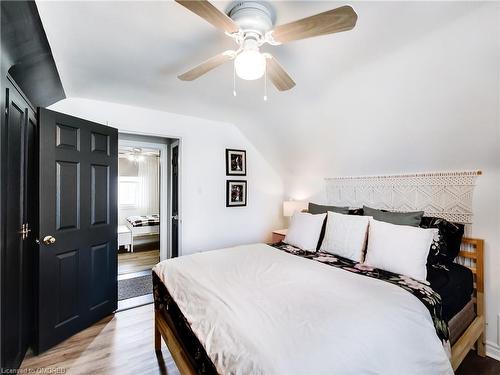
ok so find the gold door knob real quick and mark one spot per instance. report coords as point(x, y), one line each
point(48, 240)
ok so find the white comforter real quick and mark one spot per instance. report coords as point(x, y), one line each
point(259, 310)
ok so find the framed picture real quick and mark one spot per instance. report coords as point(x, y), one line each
point(236, 162)
point(236, 193)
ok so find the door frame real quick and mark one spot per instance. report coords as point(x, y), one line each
point(165, 186)
point(175, 142)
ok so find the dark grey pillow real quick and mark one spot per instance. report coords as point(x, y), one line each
point(400, 218)
point(356, 211)
point(320, 209)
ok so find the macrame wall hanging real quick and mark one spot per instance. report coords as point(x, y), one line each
point(443, 194)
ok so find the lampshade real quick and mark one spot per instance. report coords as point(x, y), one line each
point(289, 207)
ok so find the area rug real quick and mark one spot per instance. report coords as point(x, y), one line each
point(134, 287)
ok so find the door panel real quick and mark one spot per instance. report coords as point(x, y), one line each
point(78, 207)
point(67, 137)
point(67, 284)
point(100, 143)
point(100, 194)
point(67, 195)
point(100, 256)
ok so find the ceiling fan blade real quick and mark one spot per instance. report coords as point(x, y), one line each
point(211, 14)
point(278, 76)
point(207, 66)
point(332, 21)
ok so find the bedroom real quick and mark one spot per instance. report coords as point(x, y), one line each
point(146, 186)
point(412, 88)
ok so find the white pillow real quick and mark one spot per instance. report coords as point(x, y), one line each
point(345, 235)
point(304, 230)
point(399, 248)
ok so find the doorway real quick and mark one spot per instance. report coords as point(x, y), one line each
point(145, 213)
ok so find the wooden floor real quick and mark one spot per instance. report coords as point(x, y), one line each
point(124, 344)
point(473, 364)
point(137, 261)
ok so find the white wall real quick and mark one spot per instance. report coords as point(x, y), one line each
point(430, 105)
point(206, 222)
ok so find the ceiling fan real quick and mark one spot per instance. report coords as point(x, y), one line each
point(250, 25)
point(136, 154)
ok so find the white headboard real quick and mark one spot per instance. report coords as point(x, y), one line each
point(442, 194)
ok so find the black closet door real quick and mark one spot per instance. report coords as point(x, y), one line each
point(30, 213)
point(77, 261)
point(20, 128)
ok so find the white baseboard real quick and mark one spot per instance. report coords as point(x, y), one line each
point(493, 350)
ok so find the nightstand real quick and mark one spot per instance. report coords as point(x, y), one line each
point(279, 235)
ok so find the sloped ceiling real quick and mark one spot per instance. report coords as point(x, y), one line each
point(26, 54)
point(131, 53)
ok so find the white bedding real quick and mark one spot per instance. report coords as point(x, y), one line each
point(259, 310)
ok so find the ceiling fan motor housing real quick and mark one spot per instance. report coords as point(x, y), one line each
point(252, 16)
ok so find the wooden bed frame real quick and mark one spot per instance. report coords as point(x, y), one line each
point(181, 358)
point(472, 253)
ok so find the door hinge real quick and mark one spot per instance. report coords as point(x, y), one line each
point(24, 232)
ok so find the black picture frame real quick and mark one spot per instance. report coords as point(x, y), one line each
point(236, 162)
point(233, 198)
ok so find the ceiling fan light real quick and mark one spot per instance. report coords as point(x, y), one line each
point(250, 64)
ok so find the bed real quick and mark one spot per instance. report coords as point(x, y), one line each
point(143, 225)
point(214, 320)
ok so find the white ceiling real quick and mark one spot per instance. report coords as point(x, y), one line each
point(131, 53)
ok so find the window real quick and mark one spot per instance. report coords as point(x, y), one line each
point(128, 192)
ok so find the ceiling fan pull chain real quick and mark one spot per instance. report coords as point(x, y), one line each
point(234, 79)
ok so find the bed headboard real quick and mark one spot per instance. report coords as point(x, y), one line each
point(441, 194)
point(448, 195)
